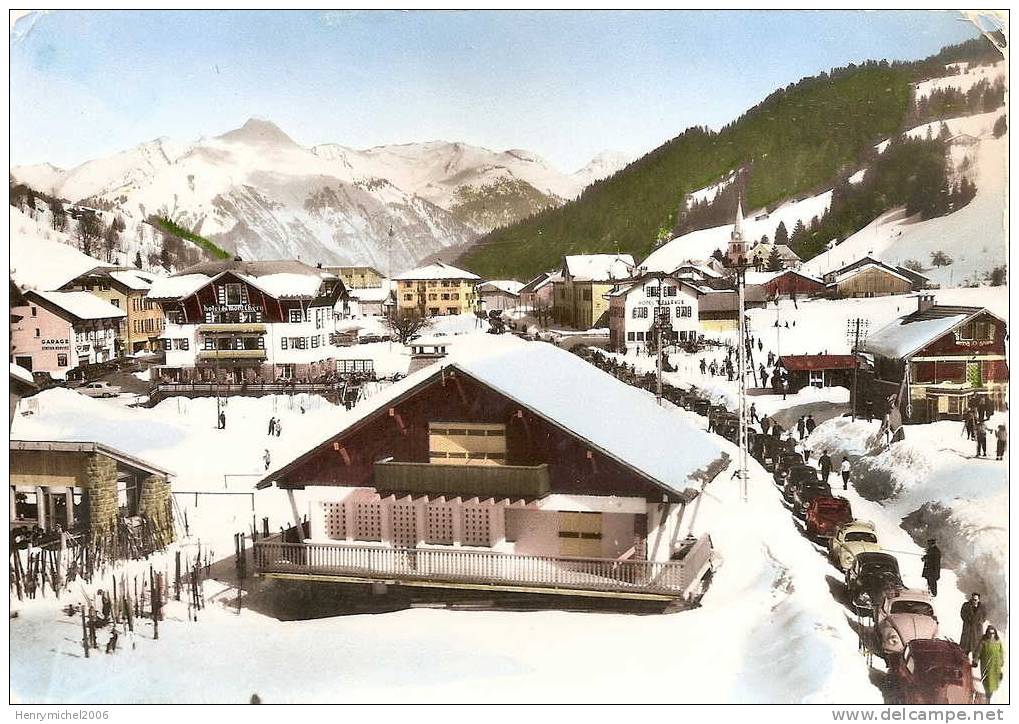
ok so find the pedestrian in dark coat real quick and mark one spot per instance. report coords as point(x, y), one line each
point(760, 346)
point(222, 420)
point(981, 432)
point(1001, 435)
point(810, 424)
point(753, 414)
point(968, 422)
point(974, 616)
point(765, 424)
point(801, 427)
point(824, 462)
point(932, 566)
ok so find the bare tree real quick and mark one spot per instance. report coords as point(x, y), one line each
point(111, 241)
point(58, 215)
point(88, 232)
point(405, 327)
point(542, 312)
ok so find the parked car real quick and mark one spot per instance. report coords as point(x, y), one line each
point(933, 671)
point(700, 406)
point(806, 492)
point(783, 462)
point(871, 575)
point(825, 514)
point(905, 614)
point(852, 539)
point(99, 389)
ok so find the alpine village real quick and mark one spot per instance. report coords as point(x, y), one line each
point(727, 416)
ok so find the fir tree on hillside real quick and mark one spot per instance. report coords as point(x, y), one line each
point(138, 260)
point(774, 260)
point(781, 234)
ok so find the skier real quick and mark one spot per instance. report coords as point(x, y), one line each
point(824, 462)
point(845, 469)
point(801, 427)
point(1002, 437)
point(932, 566)
point(981, 432)
point(809, 424)
point(974, 615)
point(992, 661)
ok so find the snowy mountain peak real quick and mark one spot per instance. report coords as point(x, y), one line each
point(259, 131)
point(601, 166)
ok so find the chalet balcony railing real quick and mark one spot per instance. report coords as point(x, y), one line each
point(451, 566)
point(210, 355)
point(232, 328)
point(526, 481)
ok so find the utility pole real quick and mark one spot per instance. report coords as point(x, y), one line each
point(855, 328)
point(658, 363)
point(741, 360)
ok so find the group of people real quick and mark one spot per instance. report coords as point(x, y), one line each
point(979, 640)
point(975, 426)
point(275, 427)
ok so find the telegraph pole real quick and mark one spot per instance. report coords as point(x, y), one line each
point(658, 363)
point(855, 328)
point(741, 360)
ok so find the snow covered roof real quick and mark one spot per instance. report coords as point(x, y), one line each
point(80, 305)
point(598, 267)
point(22, 374)
point(131, 280)
point(912, 332)
point(438, 270)
point(784, 252)
point(842, 276)
point(619, 420)
point(286, 284)
point(509, 286)
point(540, 281)
point(177, 286)
point(370, 294)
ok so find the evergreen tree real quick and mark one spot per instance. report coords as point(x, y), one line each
point(781, 234)
point(774, 260)
point(1000, 127)
point(138, 260)
point(164, 258)
point(58, 215)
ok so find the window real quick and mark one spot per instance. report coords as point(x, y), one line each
point(36, 331)
point(434, 311)
point(283, 342)
point(587, 294)
point(315, 341)
point(477, 526)
point(640, 336)
point(35, 312)
point(295, 316)
point(976, 331)
point(233, 294)
point(652, 291)
point(127, 497)
point(368, 520)
point(631, 336)
point(640, 312)
point(61, 360)
point(454, 295)
point(445, 297)
point(670, 291)
point(408, 297)
point(210, 343)
point(115, 302)
point(684, 312)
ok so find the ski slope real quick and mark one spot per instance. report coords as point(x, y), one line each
point(962, 82)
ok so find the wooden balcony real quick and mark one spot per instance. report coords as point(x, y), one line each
point(232, 328)
point(248, 355)
point(341, 562)
point(483, 481)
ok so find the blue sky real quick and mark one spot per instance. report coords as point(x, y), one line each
point(565, 85)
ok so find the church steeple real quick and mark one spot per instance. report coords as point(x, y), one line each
point(737, 246)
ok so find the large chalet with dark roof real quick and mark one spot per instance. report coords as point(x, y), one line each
point(937, 362)
point(468, 474)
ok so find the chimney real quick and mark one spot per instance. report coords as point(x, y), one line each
point(924, 302)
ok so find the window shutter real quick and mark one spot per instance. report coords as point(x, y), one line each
point(244, 294)
point(221, 294)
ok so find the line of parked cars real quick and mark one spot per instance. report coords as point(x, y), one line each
point(925, 669)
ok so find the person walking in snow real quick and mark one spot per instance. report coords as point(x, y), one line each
point(992, 661)
point(845, 469)
point(824, 462)
point(754, 418)
point(809, 424)
point(974, 616)
point(760, 346)
point(279, 427)
point(267, 458)
point(932, 566)
point(801, 427)
point(704, 366)
point(272, 425)
point(968, 423)
point(1001, 435)
point(981, 433)
point(765, 424)
point(771, 358)
point(222, 420)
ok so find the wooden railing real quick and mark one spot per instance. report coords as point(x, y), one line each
point(532, 481)
point(673, 578)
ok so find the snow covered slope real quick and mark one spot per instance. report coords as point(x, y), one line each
point(255, 191)
point(974, 236)
point(699, 244)
point(42, 258)
point(965, 80)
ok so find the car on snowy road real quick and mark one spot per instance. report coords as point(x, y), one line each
point(905, 614)
point(852, 539)
point(825, 514)
point(783, 462)
point(869, 578)
point(932, 671)
point(99, 389)
point(796, 476)
point(806, 492)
